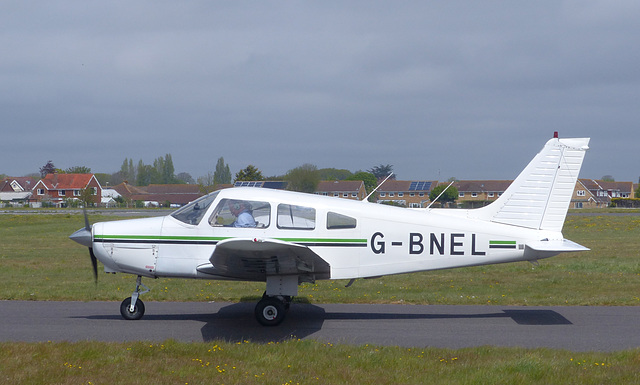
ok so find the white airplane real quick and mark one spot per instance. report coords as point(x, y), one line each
point(286, 238)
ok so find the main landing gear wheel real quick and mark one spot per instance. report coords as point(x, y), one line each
point(270, 311)
point(136, 314)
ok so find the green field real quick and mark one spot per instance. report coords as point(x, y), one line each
point(39, 262)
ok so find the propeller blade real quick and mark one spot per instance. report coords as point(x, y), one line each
point(94, 263)
point(83, 236)
point(86, 219)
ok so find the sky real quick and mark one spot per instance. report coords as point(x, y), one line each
point(438, 89)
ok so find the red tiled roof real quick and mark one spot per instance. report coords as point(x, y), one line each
point(339, 185)
point(66, 181)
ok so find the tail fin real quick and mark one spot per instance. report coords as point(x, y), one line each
point(540, 196)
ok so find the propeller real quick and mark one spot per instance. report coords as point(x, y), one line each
point(83, 237)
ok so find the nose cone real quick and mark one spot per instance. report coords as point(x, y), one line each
point(82, 236)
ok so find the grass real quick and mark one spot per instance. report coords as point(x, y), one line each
point(304, 362)
point(39, 262)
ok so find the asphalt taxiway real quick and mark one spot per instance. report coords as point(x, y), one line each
point(576, 328)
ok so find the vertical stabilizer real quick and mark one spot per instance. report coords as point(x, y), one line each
point(540, 196)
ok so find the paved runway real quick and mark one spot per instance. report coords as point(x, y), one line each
point(572, 328)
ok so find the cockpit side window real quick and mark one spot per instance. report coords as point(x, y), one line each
point(193, 212)
point(241, 213)
point(339, 221)
point(296, 217)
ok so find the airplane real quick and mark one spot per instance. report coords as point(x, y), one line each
point(286, 238)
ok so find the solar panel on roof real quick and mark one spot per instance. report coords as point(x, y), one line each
point(247, 184)
point(419, 186)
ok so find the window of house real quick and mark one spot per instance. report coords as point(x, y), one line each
point(76, 193)
point(392, 194)
point(40, 191)
point(94, 191)
point(294, 217)
point(461, 194)
point(400, 194)
point(490, 195)
point(474, 195)
point(61, 193)
point(339, 221)
point(345, 195)
point(383, 194)
point(581, 193)
point(421, 194)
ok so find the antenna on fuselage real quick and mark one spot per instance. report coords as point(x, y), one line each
point(377, 187)
point(434, 201)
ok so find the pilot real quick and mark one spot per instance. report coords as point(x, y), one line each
point(243, 213)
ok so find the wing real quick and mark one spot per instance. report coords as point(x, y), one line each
point(255, 259)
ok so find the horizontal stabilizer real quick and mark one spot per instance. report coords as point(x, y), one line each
point(556, 246)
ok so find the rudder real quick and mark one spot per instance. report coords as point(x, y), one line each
point(539, 198)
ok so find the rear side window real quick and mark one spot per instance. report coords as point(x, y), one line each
point(296, 217)
point(339, 221)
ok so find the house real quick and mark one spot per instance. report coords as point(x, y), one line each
point(109, 197)
point(479, 193)
point(16, 191)
point(17, 184)
point(58, 189)
point(406, 193)
point(349, 189)
point(592, 193)
point(156, 195)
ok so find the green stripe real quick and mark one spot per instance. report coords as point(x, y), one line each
point(320, 240)
point(192, 238)
point(161, 237)
point(502, 242)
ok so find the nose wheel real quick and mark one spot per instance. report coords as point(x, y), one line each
point(132, 308)
point(271, 311)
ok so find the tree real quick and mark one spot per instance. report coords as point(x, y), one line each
point(185, 177)
point(608, 178)
point(449, 196)
point(168, 171)
point(86, 197)
point(304, 178)
point(222, 175)
point(206, 180)
point(47, 169)
point(144, 174)
point(382, 171)
point(251, 172)
point(334, 174)
point(370, 181)
point(78, 170)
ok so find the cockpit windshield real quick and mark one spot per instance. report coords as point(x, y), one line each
point(193, 212)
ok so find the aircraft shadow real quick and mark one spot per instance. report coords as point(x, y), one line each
point(236, 323)
point(232, 324)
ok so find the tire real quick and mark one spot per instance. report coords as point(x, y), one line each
point(270, 311)
point(137, 313)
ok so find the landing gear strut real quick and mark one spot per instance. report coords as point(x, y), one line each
point(271, 310)
point(132, 308)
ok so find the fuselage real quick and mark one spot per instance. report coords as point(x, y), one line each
point(357, 239)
